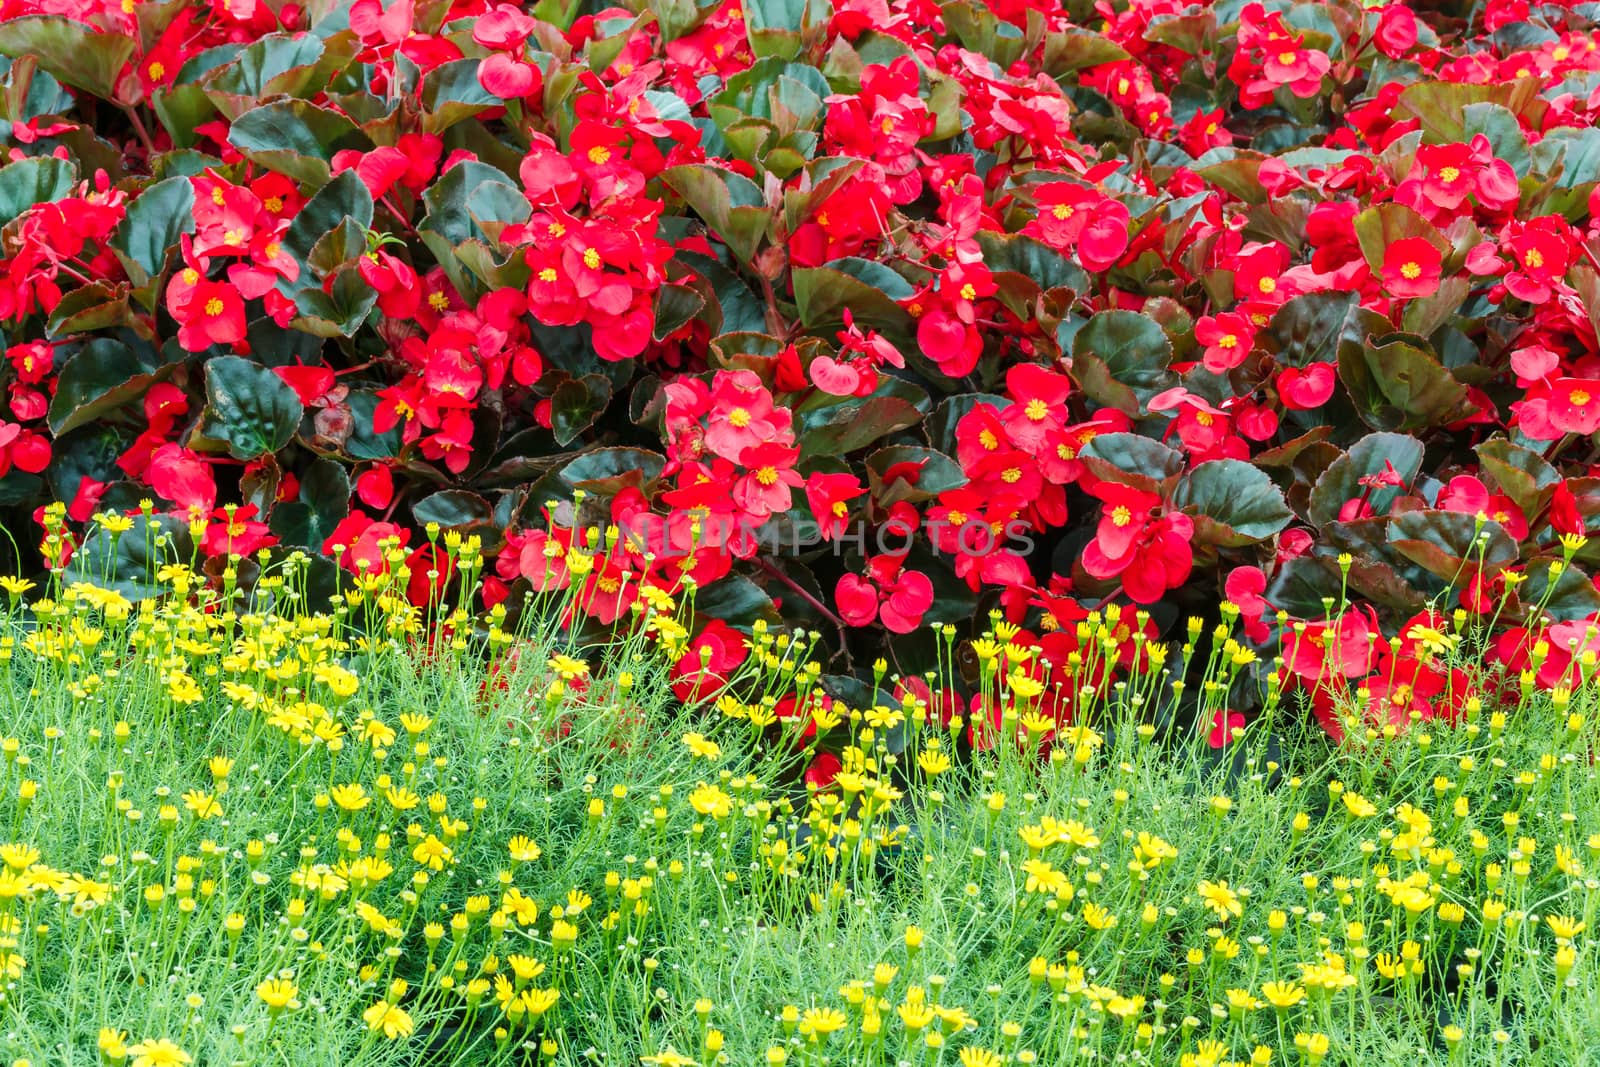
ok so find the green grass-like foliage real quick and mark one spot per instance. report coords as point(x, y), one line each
point(265, 837)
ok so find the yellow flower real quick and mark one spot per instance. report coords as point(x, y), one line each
point(183, 689)
point(203, 805)
point(1283, 995)
point(113, 1044)
point(820, 1022)
point(389, 1019)
point(668, 1057)
point(350, 796)
point(432, 853)
point(979, 1057)
point(538, 1001)
point(1358, 806)
point(1565, 927)
point(709, 800)
point(1220, 899)
point(158, 1052)
point(278, 994)
point(14, 586)
point(523, 849)
point(569, 668)
point(700, 746)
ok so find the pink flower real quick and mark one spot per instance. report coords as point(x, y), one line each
point(1224, 721)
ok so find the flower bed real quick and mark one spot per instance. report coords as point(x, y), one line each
point(262, 835)
point(865, 319)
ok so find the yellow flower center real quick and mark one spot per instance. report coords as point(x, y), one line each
point(1449, 174)
point(1121, 516)
point(1410, 270)
point(1062, 211)
point(591, 258)
point(599, 155)
point(214, 307)
point(1037, 409)
point(740, 417)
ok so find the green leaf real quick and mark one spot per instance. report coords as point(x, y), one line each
point(339, 309)
point(1573, 597)
point(72, 52)
point(1307, 328)
point(1398, 386)
point(1374, 454)
point(452, 508)
point(577, 402)
point(1073, 50)
point(737, 601)
point(741, 310)
point(868, 290)
point(249, 407)
point(279, 64)
point(339, 247)
point(1379, 227)
point(1452, 545)
point(1572, 156)
point(1520, 473)
point(155, 222)
point(609, 470)
point(364, 442)
point(27, 182)
point(678, 17)
point(1033, 259)
point(102, 376)
point(776, 27)
point(451, 93)
point(675, 305)
point(448, 200)
point(19, 488)
point(1504, 132)
point(323, 503)
point(1301, 584)
point(88, 308)
point(296, 138)
point(730, 203)
point(834, 426)
point(1120, 359)
point(1441, 106)
point(344, 197)
point(1131, 460)
point(1234, 503)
